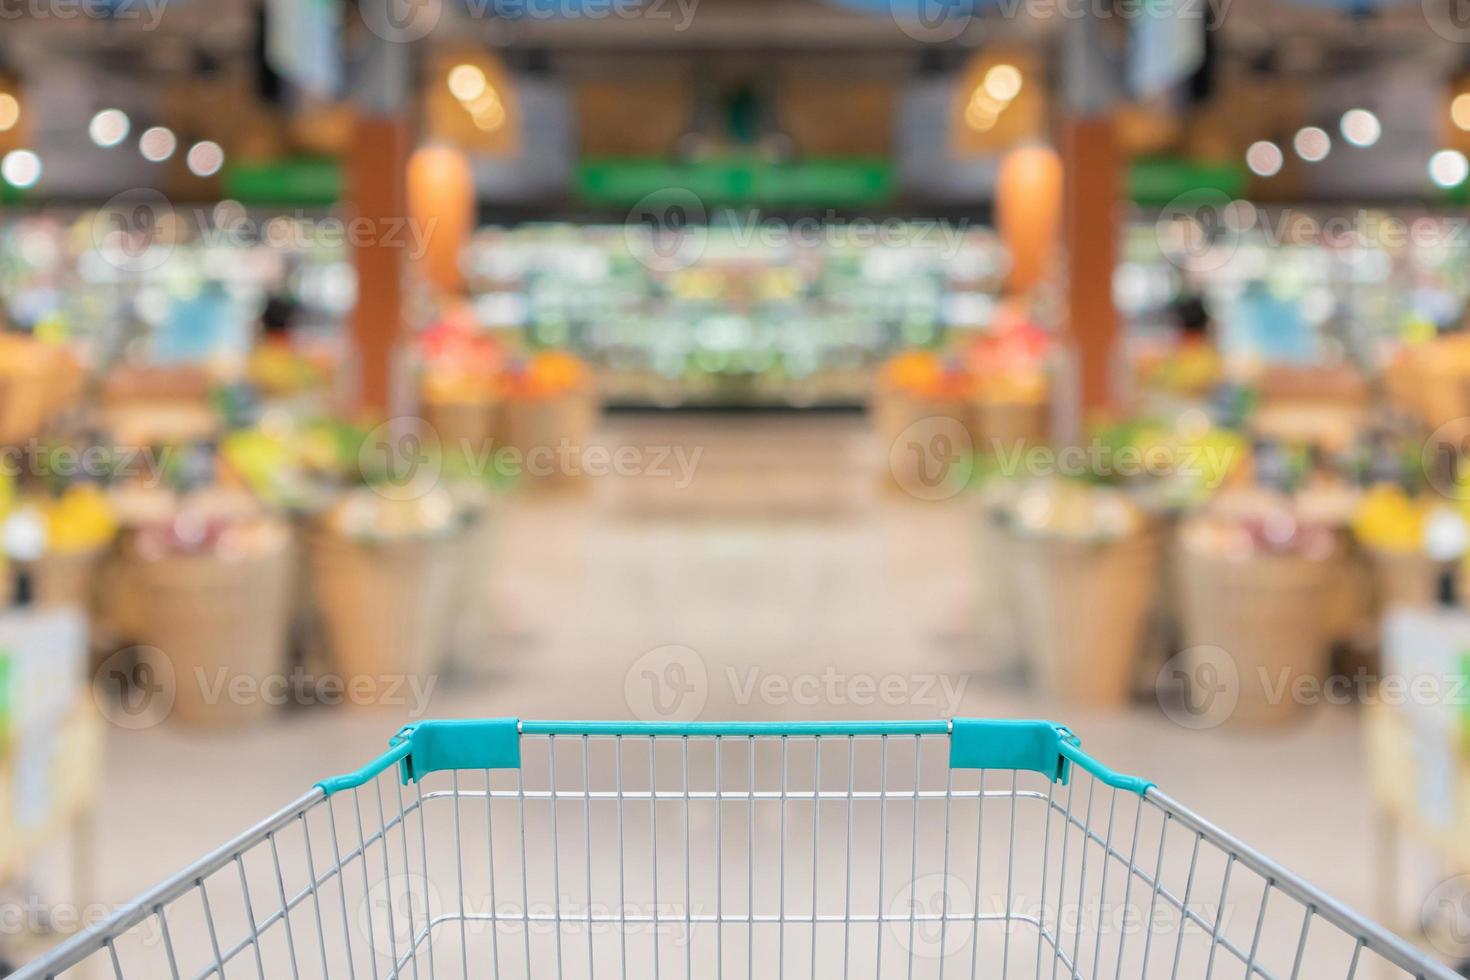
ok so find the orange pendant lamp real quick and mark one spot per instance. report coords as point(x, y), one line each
point(1028, 212)
point(441, 203)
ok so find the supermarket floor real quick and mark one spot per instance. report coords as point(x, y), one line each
point(780, 574)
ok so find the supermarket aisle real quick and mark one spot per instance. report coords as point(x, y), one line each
point(780, 583)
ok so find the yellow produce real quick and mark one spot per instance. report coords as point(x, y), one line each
point(1390, 520)
point(279, 369)
point(81, 519)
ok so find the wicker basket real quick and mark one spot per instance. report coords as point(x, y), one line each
point(1269, 614)
point(539, 427)
point(465, 432)
point(384, 605)
point(1084, 607)
point(217, 619)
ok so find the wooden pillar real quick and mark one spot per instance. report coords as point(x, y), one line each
point(1092, 199)
point(377, 198)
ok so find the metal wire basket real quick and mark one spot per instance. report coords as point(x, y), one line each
point(506, 849)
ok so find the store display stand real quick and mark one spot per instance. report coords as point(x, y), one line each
point(50, 750)
point(1418, 770)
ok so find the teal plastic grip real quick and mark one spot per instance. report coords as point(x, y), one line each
point(1031, 746)
point(492, 743)
point(734, 729)
point(430, 746)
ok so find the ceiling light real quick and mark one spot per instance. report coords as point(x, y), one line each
point(205, 158)
point(1460, 110)
point(20, 168)
point(1003, 82)
point(1264, 158)
point(109, 127)
point(1360, 127)
point(9, 111)
point(466, 82)
point(1312, 144)
point(157, 144)
point(1449, 168)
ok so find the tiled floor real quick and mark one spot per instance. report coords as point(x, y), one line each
point(782, 573)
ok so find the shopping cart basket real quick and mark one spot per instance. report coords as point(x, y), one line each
point(506, 849)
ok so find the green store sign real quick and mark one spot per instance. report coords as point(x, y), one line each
point(831, 182)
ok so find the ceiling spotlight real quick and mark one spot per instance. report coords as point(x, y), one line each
point(1003, 82)
point(157, 144)
point(1264, 158)
point(1312, 144)
point(1449, 168)
point(109, 127)
point(466, 82)
point(980, 116)
point(492, 118)
point(485, 102)
point(205, 158)
point(1460, 111)
point(20, 168)
point(1360, 127)
point(9, 111)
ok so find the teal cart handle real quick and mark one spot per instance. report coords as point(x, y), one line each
point(1033, 746)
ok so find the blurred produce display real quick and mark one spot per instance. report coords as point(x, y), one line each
point(172, 284)
point(789, 312)
point(1300, 285)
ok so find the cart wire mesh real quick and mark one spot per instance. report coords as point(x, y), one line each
point(625, 850)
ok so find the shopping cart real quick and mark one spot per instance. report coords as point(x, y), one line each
point(506, 849)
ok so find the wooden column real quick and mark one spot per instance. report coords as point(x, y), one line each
point(377, 193)
point(1092, 199)
point(377, 198)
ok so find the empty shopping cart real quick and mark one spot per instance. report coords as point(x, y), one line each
point(520, 849)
